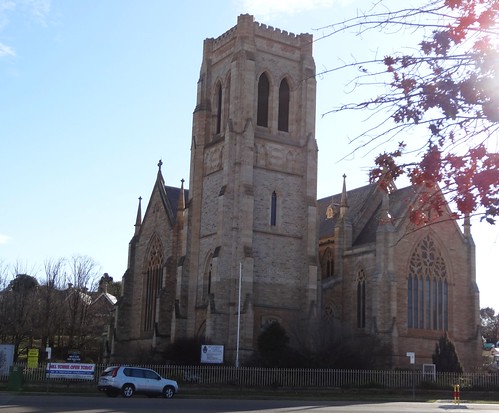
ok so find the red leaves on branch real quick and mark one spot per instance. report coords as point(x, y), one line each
point(450, 91)
point(450, 87)
point(428, 173)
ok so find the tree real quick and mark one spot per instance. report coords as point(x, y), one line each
point(325, 343)
point(82, 276)
point(273, 347)
point(490, 325)
point(50, 316)
point(19, 306)
point(185, 351)
point(445, 357)
point(446, 93)
point(4, 269)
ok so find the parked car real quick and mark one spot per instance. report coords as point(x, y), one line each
point(130, 380)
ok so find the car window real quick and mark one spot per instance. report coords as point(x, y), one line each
point(139, 373)
point(149, 374)
point(107, 372)
point(127, 372)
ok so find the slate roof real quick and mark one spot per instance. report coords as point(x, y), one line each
point(399, 202)
point(360, 202)
point(172, 195)
point(356, 200)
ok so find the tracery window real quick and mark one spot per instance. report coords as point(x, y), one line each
point(152, 282)
point(283, 113)
point(361, 299)
point(427, 288)
point(329, 311)
point(262, 114)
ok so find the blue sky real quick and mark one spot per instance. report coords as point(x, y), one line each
point(94, 93)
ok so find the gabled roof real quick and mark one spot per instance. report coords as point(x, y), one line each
point(84, 297)
point(364, 207)
point(173, 195)
point(399, 202)
point(109, 297)
point(357, 200)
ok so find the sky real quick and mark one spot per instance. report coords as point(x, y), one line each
point(94, 93)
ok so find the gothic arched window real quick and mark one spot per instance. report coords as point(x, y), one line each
point(218, 107)
point(328, 263)
point(205, 286)
point(427, 288)
point(273, 209)
point(262, 114)
point(152, 282)
point(361, 299)
point(226, 101)
point(283, 115)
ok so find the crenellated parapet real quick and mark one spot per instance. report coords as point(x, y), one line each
point(246, 25)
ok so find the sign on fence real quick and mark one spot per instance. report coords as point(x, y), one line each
point(6, 358)
point(212, 354)
point(78, 371)
point(32, 358)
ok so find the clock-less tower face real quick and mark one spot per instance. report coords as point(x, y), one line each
point(253, 178)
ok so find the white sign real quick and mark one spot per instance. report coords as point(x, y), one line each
point(412, 356)
point(6, 358)
point(78, 371)
point(212, 354)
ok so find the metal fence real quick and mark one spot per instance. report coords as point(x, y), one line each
point(293, 378)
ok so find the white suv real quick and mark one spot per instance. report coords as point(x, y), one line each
point(129, 380)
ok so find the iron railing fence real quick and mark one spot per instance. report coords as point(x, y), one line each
point(293, 378)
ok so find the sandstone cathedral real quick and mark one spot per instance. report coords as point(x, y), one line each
point(251, 213)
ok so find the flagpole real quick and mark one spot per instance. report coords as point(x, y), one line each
point(239, 314)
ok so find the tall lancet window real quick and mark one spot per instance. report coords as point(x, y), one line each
point(262, 114)
point(427, 288)
point(273, 209)
point(327, 263)
point(152, 282)
point(219, 108)
point(361, 299)
point(205, 284)
point(283, 116)
point(207, 281)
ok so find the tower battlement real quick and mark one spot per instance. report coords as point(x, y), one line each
point(246, 25)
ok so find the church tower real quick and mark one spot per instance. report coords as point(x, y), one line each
point(251, 211)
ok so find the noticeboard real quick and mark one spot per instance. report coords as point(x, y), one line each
point(6, 358)
point(80, 371)
point(33, 358)
point(212, 354)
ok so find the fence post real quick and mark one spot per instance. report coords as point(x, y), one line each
point(457, 395)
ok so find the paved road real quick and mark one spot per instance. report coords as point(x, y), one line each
point(49, 403)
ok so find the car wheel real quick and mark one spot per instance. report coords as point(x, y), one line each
point(168, 392)
point(127, 390)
